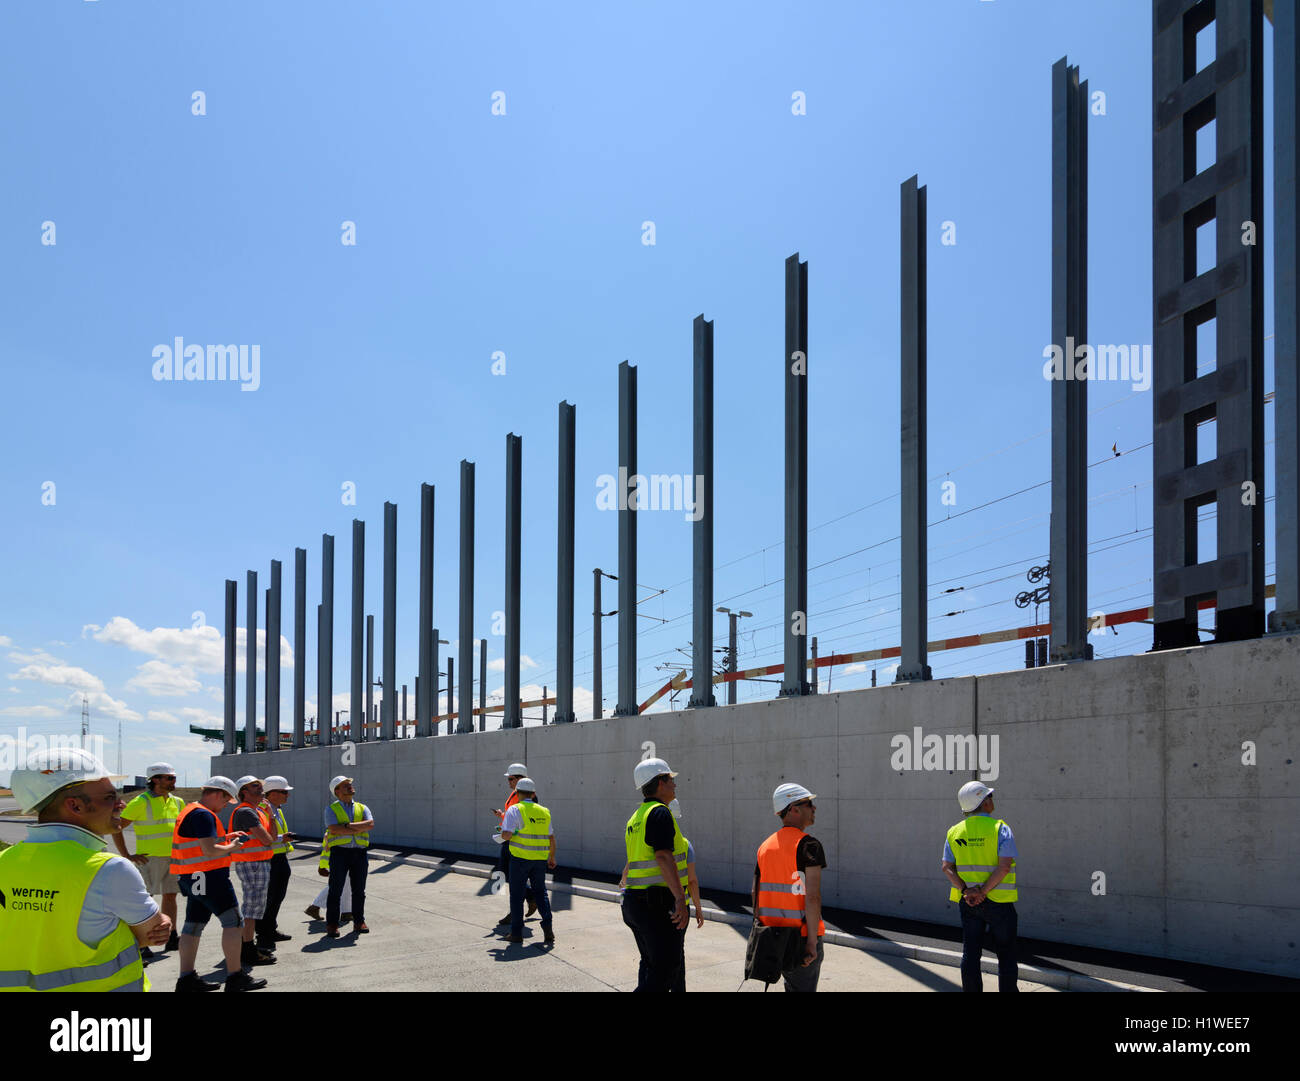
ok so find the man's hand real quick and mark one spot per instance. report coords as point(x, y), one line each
point(138, 859)
point(681, 916)
point(699, 914)
point(974, 896)
point(324, 872)
point(550, 862)
point(810, 952)
point(161, 932)
point(497, 811)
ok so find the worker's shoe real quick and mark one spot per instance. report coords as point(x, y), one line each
point(331, 931)
point(504, 920)
point(314, 912)
point(173, 943)
point(251, 954)
point(548, 936)
point(361, 928)
point(532, 907)
point(192, 981)
point(242, 981)
point(278, 936)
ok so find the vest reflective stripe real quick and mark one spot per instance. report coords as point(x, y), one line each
point(973, 839)
point(533, 842)
point(153, 831)
point(281, 845)
point(642, 868)
point(252, 850)
point(349, 840)
point(39, 948)
point(187, 853)
point(782, 897)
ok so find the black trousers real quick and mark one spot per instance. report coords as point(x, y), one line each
point(345, 862)
point(275, 891)
point(995, 921)
point(649, 913)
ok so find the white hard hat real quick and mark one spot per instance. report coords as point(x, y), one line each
point(45, 772)
point(972, 794)
point(224, 783)
point(276, 783)
point(338, 781)
point(648, 769)
point(517, 769)
point(526, 784)
point(676, 807)
point(787, 794)
point(160, 769)
point(246, 779)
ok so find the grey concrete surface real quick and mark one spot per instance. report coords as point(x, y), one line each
point(434, 931)
point(1125, 772)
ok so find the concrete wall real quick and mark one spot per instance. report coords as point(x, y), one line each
point(1131, 767)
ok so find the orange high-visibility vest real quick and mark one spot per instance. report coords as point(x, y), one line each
point(510, 802)
point(252, 850)
point(187, 854)
point(782, 894)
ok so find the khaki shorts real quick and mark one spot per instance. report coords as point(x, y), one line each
point(157, 880)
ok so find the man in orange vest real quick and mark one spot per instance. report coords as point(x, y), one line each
point(252, 862)
point(513, 775)
point(201, 851)
point(788, 882)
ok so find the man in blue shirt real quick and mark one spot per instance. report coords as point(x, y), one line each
point(985, 892)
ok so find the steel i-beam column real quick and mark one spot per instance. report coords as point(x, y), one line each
point(629, 503)
point(564, 569)
point(273, 659)
point(388, 707)
point(512, 718)
point(451, 681)
point(913, 657)
point(794, 679)
point(432, 692)
point(370, 676)
point(358, 681)
point(299, 646)
point(465, 720)
point(1286, 321)
point(1068, 603)
point(702, 529)
point(228, 700)
point(1191, 199)
point(482, 684)
point(424, 701)
point(597, 703)
point(250, 666)
point(325, 643)
point(403, 709)
point(321, 739)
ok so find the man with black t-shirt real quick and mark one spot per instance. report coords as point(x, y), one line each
point(654, 906)
point(788, 882)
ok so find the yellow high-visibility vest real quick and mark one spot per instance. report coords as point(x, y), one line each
point(44, 886)
point(282, 844)
point(153, 818)
point(533, 841)
point(974, 845)
point(642, 867)
point(350, 840)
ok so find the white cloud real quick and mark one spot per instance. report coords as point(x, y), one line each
point(33, 711)
point(852, 670)
point(164, 680)
point(60, 675)
point(5, 640)
point(105, 705)
point(498, 664)
point(38, 656)
point(188, 715)
point(201, 648)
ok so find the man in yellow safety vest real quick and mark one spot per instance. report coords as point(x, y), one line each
point(153, 815)
point(73, 916)
point(979, 859)
point(526, 829)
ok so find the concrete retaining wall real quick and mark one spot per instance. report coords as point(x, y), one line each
point(1131, 768)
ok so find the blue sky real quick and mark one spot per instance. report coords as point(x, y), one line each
point(523, 233)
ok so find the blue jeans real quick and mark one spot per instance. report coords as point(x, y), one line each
point(997, 921)
point(528, 875)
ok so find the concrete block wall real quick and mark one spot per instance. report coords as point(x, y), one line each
point(1125, 772)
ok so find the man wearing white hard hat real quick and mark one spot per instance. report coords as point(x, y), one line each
point(528, 831)
point(153, 814)
point(513, 774)
point(348, 823)
point(201, 856)
point(654, 904)
point(788, 883)
point(275, 790)
point(73, 916)
point(979, 859)
point(252, 863)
